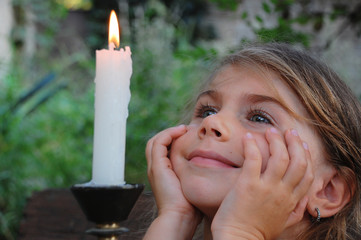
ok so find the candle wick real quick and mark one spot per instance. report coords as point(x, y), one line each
point(111, 46)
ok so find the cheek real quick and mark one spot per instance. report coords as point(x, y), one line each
point(178, 145)
point(178, 151)
point(181, 145)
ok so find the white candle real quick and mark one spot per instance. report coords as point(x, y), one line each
point(112, 95)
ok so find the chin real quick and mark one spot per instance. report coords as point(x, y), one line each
point(204, 193)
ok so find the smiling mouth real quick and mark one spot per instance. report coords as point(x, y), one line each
point(210, 160)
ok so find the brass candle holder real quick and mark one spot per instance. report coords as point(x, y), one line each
point(107, 206)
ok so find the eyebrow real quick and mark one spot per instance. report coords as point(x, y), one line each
point(253, 98)
point(211, 93)
point(256, 98)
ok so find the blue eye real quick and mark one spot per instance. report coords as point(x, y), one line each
point(258, 115)
point(259, 118)
point(208, 113)
point(205, 111)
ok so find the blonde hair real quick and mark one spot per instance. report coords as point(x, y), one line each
point(334, 112)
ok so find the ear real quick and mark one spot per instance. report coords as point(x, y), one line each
point(333, 194)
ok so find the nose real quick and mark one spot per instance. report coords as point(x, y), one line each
point(214, 126)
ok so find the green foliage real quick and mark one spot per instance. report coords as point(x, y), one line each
point(50, 147)
point(284, 31)
point(48, 14)
point(266, 7)
point(244, 15)
point(227, 4)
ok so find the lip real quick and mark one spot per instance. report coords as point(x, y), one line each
point(210, 159)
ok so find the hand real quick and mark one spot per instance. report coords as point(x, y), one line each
point(262, 205)
point(174, 211)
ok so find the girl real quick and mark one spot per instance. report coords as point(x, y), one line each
point(272, 152)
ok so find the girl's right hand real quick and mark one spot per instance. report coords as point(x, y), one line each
point(173, 207)
point(262, 205)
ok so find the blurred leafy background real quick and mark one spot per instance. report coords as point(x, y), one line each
point(47, 89)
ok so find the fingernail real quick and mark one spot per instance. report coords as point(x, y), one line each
point(249, 135)
point(294, 132)
point(274, 130)
point(305, 145)
point(179, 127)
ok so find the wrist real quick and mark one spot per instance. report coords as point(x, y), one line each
point(183, 222)
point(237, 232)
point(173, 225)
point(188, 214)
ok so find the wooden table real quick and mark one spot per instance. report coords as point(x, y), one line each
point(54, 214)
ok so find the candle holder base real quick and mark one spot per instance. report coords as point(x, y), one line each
point(107, 232)
point(107, 206)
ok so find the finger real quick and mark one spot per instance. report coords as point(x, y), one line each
point(308, 177)
point(157, 150)
point(297, 214)
point(279, 158)
point(173, 132)
point(148, 150)
point(253, 159)
point(164, 139)
point(298, 159)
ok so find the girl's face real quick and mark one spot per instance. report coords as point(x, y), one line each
point(208, 158)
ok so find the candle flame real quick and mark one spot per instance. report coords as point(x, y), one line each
point(113, 36)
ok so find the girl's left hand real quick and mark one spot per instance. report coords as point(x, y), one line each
point(262, 205)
